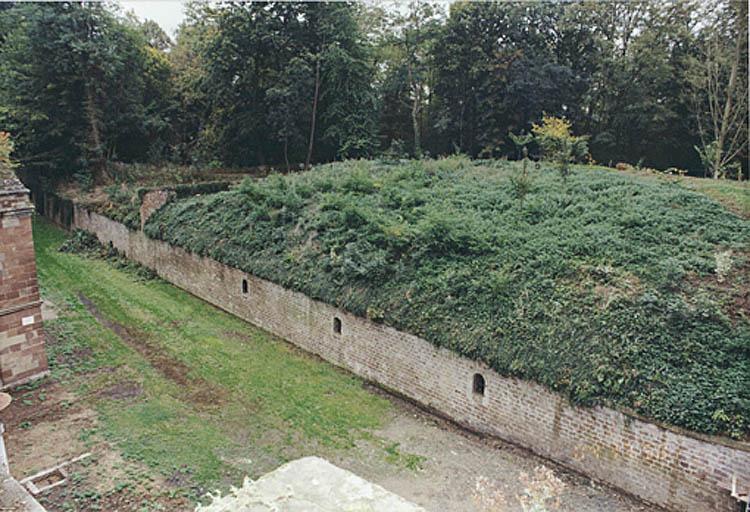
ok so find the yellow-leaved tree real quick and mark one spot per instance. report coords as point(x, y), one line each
point(558, 144)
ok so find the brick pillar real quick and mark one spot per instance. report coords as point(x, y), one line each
point(22, 356)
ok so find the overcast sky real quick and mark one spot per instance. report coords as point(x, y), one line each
point(167, 13)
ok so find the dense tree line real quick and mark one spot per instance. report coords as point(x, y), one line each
point(660, 83)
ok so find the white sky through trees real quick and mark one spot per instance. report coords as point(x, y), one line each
point(170, 13)
point(167, 13)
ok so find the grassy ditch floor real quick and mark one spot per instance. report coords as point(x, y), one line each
point(194, 395)
point(173, 397)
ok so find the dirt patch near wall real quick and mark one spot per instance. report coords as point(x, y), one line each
point(437, 464)
point(197, 390)
point(46, 402)
point(41, 427)
point(106, 482)
point(47, 425)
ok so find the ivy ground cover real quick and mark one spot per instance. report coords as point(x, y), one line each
point(607, 287)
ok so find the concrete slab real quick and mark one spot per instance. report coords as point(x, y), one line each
point(310, 484)
point(14, 498)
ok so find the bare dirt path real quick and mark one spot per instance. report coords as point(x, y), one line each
point(47, 425)
point(451, 459)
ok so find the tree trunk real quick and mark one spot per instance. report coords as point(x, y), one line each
point(415, 125)
point(314, 115)
point(725, 118)
point(286, 153)
point(95, 150)
point(412, 59)
point(415, 88)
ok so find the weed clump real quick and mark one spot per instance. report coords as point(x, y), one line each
point(84, 243)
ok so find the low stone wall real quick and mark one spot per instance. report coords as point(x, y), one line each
point(677, 470)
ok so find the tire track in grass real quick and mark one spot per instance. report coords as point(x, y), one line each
point(196, 390)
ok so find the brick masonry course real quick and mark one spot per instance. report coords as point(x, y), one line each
point(675, 469)
point(152, 201)
point(22, 355)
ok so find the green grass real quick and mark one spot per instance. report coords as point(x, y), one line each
point(733, 194)
point(266, 401)
point(603, 287)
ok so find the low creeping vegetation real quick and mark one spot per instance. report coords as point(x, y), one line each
point(123, 202)
point(603, 287)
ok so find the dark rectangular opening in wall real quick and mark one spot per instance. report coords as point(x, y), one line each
point(336, 325)
point(244, 286)
point(478, 384)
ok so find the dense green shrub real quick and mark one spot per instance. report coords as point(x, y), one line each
point(603, 288)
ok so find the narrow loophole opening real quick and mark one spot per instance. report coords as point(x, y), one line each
point(244, 286)
point(336, 325)
point(478, 384)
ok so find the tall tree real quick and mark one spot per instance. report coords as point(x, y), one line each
point(343, 96)
point(719, 79)
point(186, 59)
point(287, 102)
point(247, 64)
point(405, 49)
point(638, 107)
point(497, 71)
point(72, 87)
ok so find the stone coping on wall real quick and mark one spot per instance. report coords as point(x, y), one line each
point(707, 438)
point(662, 464)
point(12, 185)
point(309, 484)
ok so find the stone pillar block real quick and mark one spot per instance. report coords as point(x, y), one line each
point(22, 355)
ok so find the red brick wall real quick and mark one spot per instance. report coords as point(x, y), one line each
point(677, 470)
point(21, 340)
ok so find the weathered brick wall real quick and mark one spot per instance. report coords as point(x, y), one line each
point(22, 355)
point(679, 471)
point(58, 210)
point(152, 201)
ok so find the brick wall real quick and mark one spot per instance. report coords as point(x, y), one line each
point(22, 355)
point(677, 470)
point(152, 201)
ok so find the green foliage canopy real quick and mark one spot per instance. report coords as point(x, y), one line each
point(78, 87)
point(271, 83)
